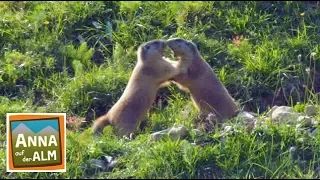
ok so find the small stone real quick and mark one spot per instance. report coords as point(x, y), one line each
point(157, 136)
point(245, 114)
point(304, 121)
point(179, 132)
point(113, 164)
point(132, 136)
point(228, 129)
point(251, 125)
point(174, 134)
point(312, 131)
point(197, 132)
point(271, 110)
point(311, 110)
point(249, 120)
point(107, 158)
point(292, 149)
point(314, 121)
point(284, 114)
point(99, 163)
point(21, 65)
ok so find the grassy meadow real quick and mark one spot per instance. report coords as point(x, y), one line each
point(77, 57)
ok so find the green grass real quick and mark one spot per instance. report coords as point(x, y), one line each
point(76, 57)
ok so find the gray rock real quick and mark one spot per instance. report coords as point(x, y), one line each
point(249, 120)
point(197, 132)
point(113, 164)
point(99, 164)
point(159, 135)
point(314, 121)
point(314, 131)
point(284, 114)
point(304, 121)
point(311, 110)
point(292, 149)
point(107, 158)
point(271, 110)
point(106, 163)
point(246, 116)
point(175, 133)
point(228, 129)
point(178, 132)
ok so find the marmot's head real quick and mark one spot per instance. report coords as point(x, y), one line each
point(151, 50)
point(182, 48)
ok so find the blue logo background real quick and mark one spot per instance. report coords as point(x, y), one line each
point(37, 125)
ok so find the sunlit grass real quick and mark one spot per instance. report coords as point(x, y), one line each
point(77, 57)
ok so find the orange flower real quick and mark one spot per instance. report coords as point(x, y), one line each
point(236, 40)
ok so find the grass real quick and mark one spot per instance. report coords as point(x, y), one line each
point(76, 57)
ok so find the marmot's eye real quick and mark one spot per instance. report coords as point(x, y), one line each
point(147, 47)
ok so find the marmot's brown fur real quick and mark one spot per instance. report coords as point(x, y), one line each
point(150, 73)
point(207, 92)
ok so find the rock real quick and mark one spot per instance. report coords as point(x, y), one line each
point(175, 133)
point(179, 132)
point(246, 115)
point(249, 120)
point(313, 131)
point(284, 114)
point(197, 132)
point(100, 164)
point(311, 110)
point(107, 158)
point(159, 135)
point(228, 129)
point(304, 121)
point(292, 149)
point(106, 163)
point(285, 117)
point(271, 110)
point(314, 121)
point(251, 125)
point(132, 136)
point(113, 164)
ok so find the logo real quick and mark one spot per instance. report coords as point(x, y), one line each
point(36, 142)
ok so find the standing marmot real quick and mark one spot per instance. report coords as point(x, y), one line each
point(150, 73)
point(207, 91)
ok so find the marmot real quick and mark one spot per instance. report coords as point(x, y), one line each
point(207, 92)
point(150, 73)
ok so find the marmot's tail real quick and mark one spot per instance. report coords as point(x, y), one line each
point(99, 125)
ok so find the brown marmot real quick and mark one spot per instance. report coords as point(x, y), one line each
point(207, 92)
point(149, 74)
